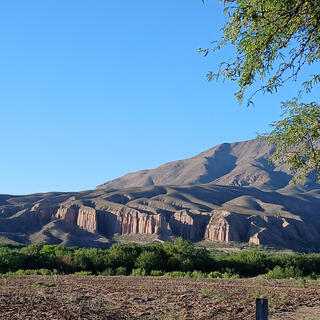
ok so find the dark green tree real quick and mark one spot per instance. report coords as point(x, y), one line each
point(149, 260)
point(180, 254)
point(274, 41)
point(123, 255)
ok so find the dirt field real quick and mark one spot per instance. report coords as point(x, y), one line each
point(75, 297)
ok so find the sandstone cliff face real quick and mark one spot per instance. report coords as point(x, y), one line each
point(68, 214)
point(123, 220)
point(42, 213)
point(276, 230)
point(141, 223)
point(188, 225)
point(258, 230)
point(214, 213)
point(226, 226)
point(127, 220)
point(112, 220)
point(219, 225)
point(87, 219)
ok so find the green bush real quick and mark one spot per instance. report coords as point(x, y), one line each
point(43, 272)
point(122, 255)
point(149, 260)
point(283, 273)
point(121, 271)
point(215, 274)
point(138, 272)
point(227, 275)
point(107, 272)
point(199, 275)
point(156, 273)
point(175, 274)
point(178, 258)
point(83, 273)
point(230, 274)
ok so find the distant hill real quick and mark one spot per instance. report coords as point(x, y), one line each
point(232, 164)
point(196, 212)
point(230, 193)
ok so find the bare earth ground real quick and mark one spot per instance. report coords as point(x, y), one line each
point(98, 297)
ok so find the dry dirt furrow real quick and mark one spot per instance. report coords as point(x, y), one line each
point(98, 297)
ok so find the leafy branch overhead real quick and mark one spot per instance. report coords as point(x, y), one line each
point(297, 138)
point(274, 40)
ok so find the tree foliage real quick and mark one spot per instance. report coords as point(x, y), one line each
point(297, 138)
point(274, 40)
point(167, 259)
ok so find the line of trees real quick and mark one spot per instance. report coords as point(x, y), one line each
point(176, 258)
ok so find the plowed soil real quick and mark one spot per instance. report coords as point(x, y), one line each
point(98, 297)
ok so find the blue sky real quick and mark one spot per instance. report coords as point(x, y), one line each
point(90, 90)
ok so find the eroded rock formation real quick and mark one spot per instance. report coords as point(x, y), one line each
point(213, 213)
point(259, 229)
point(189, 224)
point(226, 226)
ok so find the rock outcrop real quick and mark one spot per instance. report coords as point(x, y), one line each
point(226, 226)
point(41, 213)
point(201, 212)
point(112, 220)
point(87, 219)
point(127, 221)
point(189, 224)
point(259, 230)
point(69, 214)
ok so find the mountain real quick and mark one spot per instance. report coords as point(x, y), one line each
point(232, 164)
point(210, 212)
point(228, 193)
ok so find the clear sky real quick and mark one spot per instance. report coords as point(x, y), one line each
point(91, 90)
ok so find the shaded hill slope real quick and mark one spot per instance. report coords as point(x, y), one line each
point(210, 212)
point(228, 193)
point(232, 164)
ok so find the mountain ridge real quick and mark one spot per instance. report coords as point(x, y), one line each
point(243, 163)
point(227, 193)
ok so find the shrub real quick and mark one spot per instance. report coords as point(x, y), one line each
point(149, 260)
point(123, 255)
point(138, 272)
point(283, 273)
point(215, 274)
point(227, 275)
point(43, 272)
point(121, 271)
point(107, 272)
point(156, 273)
point(198, 274)
point(175, 274)
point(230, 274)
point(83, 273)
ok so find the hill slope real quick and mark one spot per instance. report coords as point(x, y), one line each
point(228, 193)
point(232, 164)
point(213, 213)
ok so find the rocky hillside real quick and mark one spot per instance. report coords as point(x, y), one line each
point(213, 213)
point(228, 193)
point(231, 164)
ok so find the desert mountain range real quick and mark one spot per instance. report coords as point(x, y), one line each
point(228, 193)
point(230, 164)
